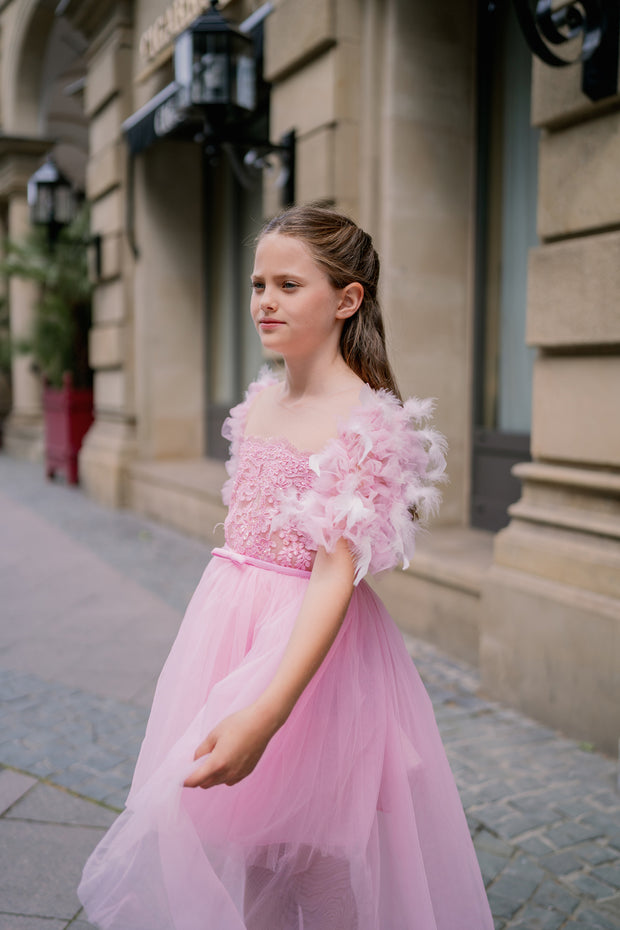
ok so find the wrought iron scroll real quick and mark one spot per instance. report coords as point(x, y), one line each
point(547, 25)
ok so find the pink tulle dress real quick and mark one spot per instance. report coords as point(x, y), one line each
point(351, 820)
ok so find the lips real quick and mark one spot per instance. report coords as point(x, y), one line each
point(269, 324)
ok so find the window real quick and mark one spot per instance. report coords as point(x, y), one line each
point(506, 229)
point(233, 216)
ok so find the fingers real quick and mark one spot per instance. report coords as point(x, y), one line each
point(206, 746)
point(211, 773)
point(205, 776)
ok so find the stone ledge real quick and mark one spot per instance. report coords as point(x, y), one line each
point(438, 597)
point(183, 493)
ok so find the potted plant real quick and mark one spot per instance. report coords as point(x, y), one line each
point(58, 343)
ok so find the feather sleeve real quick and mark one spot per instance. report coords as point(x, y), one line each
point(384, 461)
point(233, 427)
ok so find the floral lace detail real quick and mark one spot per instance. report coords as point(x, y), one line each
point(266, 470)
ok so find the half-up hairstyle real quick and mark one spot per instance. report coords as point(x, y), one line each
point(347, 255)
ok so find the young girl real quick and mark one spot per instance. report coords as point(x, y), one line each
point(289, 693)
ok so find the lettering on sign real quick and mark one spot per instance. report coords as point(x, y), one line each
point(179, 15)
point(167, 117)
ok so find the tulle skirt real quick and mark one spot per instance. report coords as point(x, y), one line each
point(350, 821)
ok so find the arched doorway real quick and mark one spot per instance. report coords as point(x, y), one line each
point(43, 70)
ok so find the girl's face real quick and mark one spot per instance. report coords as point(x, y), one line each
point(294, 306)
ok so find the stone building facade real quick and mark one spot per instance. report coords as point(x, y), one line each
point(491, 189)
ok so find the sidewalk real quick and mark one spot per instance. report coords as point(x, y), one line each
point(90, 600)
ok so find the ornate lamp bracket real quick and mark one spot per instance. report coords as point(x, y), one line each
point(547, 24)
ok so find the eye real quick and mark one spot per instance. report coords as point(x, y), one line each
point(256, 285)
point(289, 285)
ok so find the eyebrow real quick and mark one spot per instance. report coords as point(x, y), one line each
point(282, 276)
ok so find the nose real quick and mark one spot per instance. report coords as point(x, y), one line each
point(268, 300)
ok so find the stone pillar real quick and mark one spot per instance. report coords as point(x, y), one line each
point(110, 443)
point(23, 428)
point(551, 604)
point(424, 133)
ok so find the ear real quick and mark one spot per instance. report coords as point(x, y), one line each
point(351, 298)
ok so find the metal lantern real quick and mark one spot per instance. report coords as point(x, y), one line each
point(51, 197)
point(214, 67)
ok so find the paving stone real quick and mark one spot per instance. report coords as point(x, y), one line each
point(490, 865)
point(578, 925)
point(535, 846)
point(609, 874)
point(594, 920)
point(47, 804)
point(40, 867)
point(587, 885)
point(562, 863)
point(519, 879)
point(608, 799)
point(503, 906)
point(493, 844)
point(612, 906)
point(13, 785)
point(567, 834)
point(538, 918)
point(16, 922)
point(595, 854)
point(518, 824)
point(550, 894)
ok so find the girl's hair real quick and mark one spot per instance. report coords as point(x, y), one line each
point(346, 254)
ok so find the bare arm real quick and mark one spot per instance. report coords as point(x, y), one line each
point(236, 744)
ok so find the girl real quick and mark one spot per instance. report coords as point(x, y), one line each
point(289, 693)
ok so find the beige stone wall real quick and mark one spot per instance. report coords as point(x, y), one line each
point(108, 100)
point(312, 56)
point(551, 603)
point(426, 123)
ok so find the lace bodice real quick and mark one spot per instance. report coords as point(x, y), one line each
point(268, 471)
point(284, 504)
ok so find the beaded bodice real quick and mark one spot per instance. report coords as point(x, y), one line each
point(267, 469)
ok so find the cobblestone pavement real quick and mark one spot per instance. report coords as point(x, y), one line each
point(544, 811)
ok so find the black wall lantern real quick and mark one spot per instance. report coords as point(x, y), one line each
point(548, 24)
point(217, 70)
point(54, 204)
point(51, 198)
point(214, 67)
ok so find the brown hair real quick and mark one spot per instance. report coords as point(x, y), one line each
point(347, 254)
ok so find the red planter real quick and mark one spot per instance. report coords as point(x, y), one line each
point(68, 414)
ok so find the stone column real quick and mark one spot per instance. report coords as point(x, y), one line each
point(551, 603)
point(425, 129)
point(110, 443)
point(23, 428)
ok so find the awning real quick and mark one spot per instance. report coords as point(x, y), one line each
point(160, 117)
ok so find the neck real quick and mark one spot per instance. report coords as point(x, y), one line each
point(314, 377)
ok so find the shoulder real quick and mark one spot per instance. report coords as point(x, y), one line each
point(384, 462)
point(233, 427)
point(386, 457)
point(381, 426)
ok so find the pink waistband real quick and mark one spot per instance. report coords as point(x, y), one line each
point(239, 559)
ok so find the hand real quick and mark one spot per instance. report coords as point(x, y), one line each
point(233, 749)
